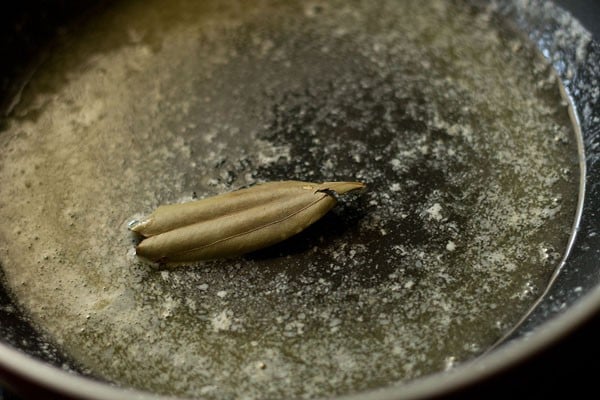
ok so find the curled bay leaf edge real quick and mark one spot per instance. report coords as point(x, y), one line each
point(235, 223)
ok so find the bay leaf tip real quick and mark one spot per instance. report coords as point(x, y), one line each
point(342, 187)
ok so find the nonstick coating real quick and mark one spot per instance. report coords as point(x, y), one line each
point(574, 296)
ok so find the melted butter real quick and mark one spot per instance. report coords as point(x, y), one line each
point(452, 120)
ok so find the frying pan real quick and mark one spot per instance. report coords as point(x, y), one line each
point(573, 298)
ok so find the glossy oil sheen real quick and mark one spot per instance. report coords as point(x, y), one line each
point(452, 120)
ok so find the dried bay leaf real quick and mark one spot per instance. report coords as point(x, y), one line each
point(235, 223)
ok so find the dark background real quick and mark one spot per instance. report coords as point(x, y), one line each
point(586, 11)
